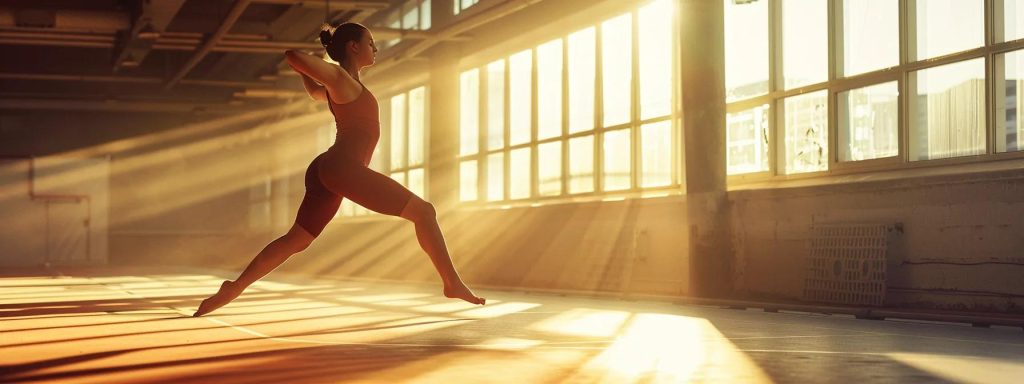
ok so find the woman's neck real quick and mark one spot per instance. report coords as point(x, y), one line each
point(352, 70)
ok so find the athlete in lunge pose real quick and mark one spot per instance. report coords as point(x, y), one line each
point(342, 172)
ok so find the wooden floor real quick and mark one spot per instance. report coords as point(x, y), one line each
point(131, 326)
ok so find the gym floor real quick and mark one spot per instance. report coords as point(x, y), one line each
point(133, 325)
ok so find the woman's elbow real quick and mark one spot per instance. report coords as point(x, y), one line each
point(292, 56)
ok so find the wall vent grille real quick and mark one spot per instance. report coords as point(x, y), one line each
point(847, 263)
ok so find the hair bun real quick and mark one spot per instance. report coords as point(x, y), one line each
point(325, 38)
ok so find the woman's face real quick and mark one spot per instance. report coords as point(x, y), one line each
point(364, 51)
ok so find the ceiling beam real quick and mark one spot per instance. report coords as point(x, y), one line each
point(150, 19)
point(65, 20)
point(210, 43)
point(334, 4)
point(451, 31)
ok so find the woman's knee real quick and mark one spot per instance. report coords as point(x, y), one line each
point(417, 210)
point(298, 239)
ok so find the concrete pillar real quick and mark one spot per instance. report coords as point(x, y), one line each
point(443, 116)
point(702, 62)
point(443, 136)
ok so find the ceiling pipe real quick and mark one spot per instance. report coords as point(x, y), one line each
point(133, 80)
point(120, 106)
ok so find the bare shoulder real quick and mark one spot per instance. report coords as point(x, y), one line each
point(345, 89)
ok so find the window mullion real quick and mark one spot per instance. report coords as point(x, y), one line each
point(481, 137)
point(908, 44)
point(988, 18)
point(565, 173)
point(598, 169)
point(634, 125)
point(775, 113)
point(534, 178)
point(506, 129)
point(834, 45)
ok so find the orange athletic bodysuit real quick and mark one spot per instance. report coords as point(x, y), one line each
point(342, 171)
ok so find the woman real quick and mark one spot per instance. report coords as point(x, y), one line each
point(342, 172)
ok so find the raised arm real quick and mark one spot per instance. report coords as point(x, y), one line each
point(312, 66)
point(339, 83)
point(315, 90)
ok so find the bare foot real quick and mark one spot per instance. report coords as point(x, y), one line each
point(228, 291)
point(463, 292)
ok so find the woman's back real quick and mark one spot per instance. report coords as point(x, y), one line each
point(358, 124)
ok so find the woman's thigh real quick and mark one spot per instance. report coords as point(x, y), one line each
point(319, 204)
point(365, 187)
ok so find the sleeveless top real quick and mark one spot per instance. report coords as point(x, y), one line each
point(358, 123)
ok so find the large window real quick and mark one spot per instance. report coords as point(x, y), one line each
point(588, 113)
point(907, 84)
point(401, 153)
point(460, 5)
point(411, 15)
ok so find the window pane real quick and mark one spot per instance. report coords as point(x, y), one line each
point(746, 49)
point(411, 20)
point(804, 42)
point(1013, 21)
point(947, 26)
point(868, 122)
point(496, 104)
point(520, 99)
point(549, 168)
point(549, 89)
point(581, 164)
point(871, 35)
point(656, 78)
point(425, 15)
point(394, 23)
point(417, 121)
point(1010, 101)
point(400, 178)
point(582, 68)
point(656, 149)
point(807, 133)
point(467, 181)
point(495, 176)
point(947, 111)
point(616, 71)
point(416, 182)
point(325, 137)
point(348, 208)
point(398, 137)
point(469, 112)
point(617, 160)
point(519, 173)
point(465, 4)
point(746, 137)
point(376, 160)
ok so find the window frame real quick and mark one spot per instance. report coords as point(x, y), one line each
point(597, 132)
point(901, 74)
